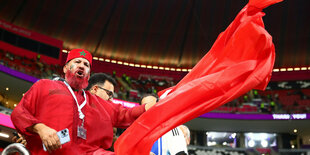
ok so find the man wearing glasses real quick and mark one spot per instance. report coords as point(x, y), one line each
point(102, 85)
point(51, 106)
point(99, 84)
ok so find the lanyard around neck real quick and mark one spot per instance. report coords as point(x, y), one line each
point(81, 115)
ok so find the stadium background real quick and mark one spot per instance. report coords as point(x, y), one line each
point(150, 45)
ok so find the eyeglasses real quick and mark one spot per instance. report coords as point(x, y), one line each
point(109, 93)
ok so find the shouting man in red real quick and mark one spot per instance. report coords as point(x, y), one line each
point(51, 106)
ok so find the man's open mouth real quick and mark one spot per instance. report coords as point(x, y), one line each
point(80, 74)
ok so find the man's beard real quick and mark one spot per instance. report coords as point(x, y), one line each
point(75, 82)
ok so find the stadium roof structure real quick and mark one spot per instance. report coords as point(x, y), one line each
point(170, 33)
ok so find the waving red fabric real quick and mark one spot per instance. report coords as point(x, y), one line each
point(241, 59)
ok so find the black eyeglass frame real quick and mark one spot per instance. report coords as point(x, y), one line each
point(109, 93)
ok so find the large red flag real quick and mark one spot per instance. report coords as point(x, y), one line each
point(241, 59)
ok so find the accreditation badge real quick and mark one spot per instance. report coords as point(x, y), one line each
point(81, 132)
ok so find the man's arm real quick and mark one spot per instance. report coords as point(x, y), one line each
point(23, 118)
point(23, 115)
point(126, 116)
point(121, 116)
point(26, 123)
point(48, 136)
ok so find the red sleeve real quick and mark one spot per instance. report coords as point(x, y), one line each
point(23, 114)
point(241, 59)
point(126, 116)
point(121, 117)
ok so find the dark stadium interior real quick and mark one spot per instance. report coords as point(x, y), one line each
point(169, 33)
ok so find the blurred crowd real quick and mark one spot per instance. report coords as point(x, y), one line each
point(273, 100)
